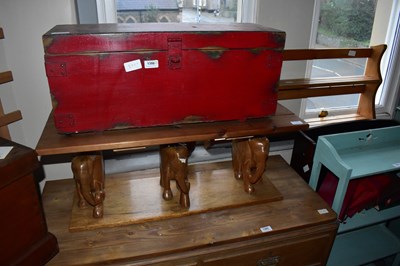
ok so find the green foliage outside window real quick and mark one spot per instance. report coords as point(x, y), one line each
point(349, 19)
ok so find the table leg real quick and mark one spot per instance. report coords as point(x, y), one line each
point(173, 166)
point(89, 177)
point(249, 158)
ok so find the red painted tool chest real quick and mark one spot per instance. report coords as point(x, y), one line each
point(109, 76)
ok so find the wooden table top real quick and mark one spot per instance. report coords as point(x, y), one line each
point(53, 143)
point(297, 212)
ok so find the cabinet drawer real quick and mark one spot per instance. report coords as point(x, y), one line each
point(307, 246)
point(312, 250)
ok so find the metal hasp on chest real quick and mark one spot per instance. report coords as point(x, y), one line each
point(109, 76)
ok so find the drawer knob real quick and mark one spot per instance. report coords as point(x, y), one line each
point(270, 261)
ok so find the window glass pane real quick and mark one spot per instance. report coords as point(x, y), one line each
point(342, 24)
point(335, 68)
point(162, 11)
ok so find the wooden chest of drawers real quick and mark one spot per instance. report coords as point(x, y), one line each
point(24, 239)
point(298, 230)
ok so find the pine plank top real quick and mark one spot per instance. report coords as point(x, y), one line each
point(199, 233)
point(52, 143)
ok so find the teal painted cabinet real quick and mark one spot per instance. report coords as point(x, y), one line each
point(363, 237)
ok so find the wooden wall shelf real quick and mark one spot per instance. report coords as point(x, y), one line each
point(6, 119)
point(6, 77)
point(366, 85)
point(10, 118)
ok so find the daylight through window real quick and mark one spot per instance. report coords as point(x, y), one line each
point(204, 11)
point(341, 24)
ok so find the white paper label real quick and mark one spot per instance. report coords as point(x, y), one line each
point(296, 122)
point(306, 168)
point(4, 150)
point(182, 160)
point(323, 211)
point(151, 64)
point(352, 53)
point(132, 65)
point(266, 229)
point(60, 32)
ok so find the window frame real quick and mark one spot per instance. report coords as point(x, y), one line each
point(106, 11)
point(390, 74)
point(391, 78)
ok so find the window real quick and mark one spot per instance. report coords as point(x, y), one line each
point(163, 11)
point(355, 23)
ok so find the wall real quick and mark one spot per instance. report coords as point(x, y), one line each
point(24, 23)
point(295, 18)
